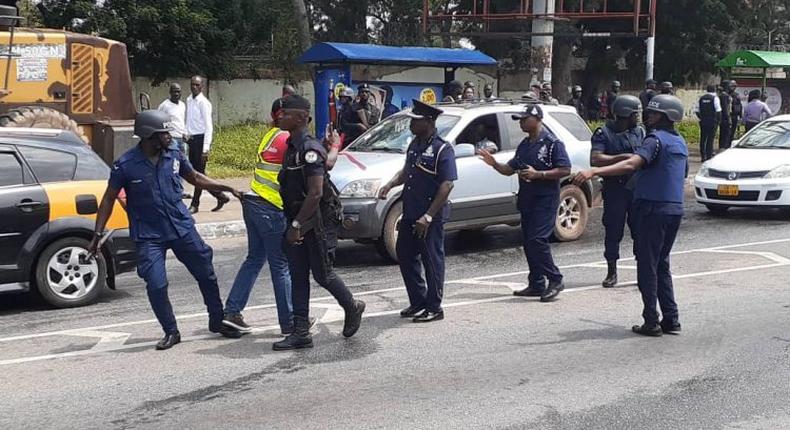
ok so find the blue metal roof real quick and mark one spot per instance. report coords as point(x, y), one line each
point(358, 53)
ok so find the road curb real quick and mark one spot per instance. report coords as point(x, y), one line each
point(220, 230)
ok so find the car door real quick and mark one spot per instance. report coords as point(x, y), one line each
point(23, 209)
point(480, 193)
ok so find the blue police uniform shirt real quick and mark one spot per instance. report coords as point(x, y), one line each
point(660, 184)
point(546, 153)
point(428, 165)
point(154, 193)
point(607, 141)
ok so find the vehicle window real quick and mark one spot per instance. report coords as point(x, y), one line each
point(574, 124)
point(10, 170)
point(771, 134)
point(481, 130)
point(514, 133)
point(49, 165)
point(91, 168)
point(393, 134)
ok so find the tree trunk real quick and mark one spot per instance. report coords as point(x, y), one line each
point(303, 24)
point(562, 62)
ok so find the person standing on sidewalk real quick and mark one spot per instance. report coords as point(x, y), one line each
point(540, 162)
point(177, 111)
point(736, 115)
point(262, 208)
point(427, 177)
point(726, 112)
point(662, 162)
point(756, 111)
point(200, 132)
point(159, 221)
point(312, 208)
point(708, 110)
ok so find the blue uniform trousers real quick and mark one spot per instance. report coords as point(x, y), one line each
point(414, 254)
point(617, 212)
point(656, 233)
point(196, 256)
point(315, 254)
point(538, 215)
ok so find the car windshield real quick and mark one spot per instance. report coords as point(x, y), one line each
point(773, 134)
point(393, 134)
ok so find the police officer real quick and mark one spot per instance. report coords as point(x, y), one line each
point(614, 142)
point(726, 112)
point(577, 102)
point(611, 96)
point(364, 113)
point(350, 124)
point(708, 110)
point(428, 179)
point(454, 92)
point(662, 161)
point(666, 88)
point(540, 162)
point(646, 95)
point(149, 174)
point(313, 211)
point(546, 94)
point(736, 113)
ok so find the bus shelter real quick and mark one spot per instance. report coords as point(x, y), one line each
point(339, 65)
point(763, 70)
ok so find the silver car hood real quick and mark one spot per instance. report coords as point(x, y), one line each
point(354, 166)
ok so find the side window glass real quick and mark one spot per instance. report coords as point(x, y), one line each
point(514, 133)
point(484, 131)
point(49, 165)
point(10, 170)
point(574, 124)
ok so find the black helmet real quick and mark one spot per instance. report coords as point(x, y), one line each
point(666, 86)
point(667, 104)
point(625, 106)
point(616, 84)
point(577, 89)
point(149, 122)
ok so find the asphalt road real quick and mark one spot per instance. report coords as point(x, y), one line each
point(496, 361)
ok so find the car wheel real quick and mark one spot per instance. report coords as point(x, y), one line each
point(717, 209)
point(389, 237)
point(66, 278)
point(571, 214)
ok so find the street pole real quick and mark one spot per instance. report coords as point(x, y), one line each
point(542, 46)
point(649, 57)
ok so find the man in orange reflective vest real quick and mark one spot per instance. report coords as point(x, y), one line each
point(262, 208)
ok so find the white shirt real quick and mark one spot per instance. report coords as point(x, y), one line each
point(177, 114)
point(199, 119)
point(716, 103)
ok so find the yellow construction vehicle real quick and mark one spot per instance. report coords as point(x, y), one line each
point(59, 79)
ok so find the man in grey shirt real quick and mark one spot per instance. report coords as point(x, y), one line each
point(756, 110)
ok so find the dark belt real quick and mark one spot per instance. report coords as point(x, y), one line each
point(258, 199)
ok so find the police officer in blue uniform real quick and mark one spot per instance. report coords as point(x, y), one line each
point(313, 211)
point(150, 174)
point(427, 180)
point(662, 161)
point(540, 162)
point(616, 141)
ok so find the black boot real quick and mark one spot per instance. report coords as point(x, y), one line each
point(353, 318)
point(300, 338)
point(611, 275)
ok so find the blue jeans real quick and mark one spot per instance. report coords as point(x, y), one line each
point(265, 232)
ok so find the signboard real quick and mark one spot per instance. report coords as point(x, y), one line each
point(428, 95)
point(31, 69)
point(747, 72)
point(774, 100)
point(46, 50)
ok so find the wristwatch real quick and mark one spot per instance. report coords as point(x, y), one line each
point(428, 218)
point(295, 224)
point(543, 174)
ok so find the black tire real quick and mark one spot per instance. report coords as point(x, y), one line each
point(70, 297)
point(717, 209)
point(40, 117)
point(572, 214)
point(389, 234)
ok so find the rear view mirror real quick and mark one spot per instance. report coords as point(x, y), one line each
point(464, 150)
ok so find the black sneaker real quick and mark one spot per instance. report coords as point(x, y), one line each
point(236, 321)
point(552, 292)
point(647, 330)
point(670, 327)
point(288, 330)
point(225, 331)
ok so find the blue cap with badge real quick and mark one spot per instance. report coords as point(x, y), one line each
point(531, 110)
point(423, 111)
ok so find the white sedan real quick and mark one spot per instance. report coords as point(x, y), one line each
point(755, 172)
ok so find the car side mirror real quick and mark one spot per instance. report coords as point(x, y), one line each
point(464, 150)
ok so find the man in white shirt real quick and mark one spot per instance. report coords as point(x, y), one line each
point(177, 111)
point(200, 131)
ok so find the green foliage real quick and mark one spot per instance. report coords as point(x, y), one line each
point(689, 129)
point(233, 150)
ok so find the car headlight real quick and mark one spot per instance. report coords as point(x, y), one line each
point(779, 172)
point(364, 188)
point(704, 171)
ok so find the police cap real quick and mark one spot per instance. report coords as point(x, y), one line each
point(667, 104)
point(277, 106)
point(149, 122)
point(546, 86)
point(650, 82)
point(616, 84)
point(347, 92)
point(577, 88)
point(625, 106)
point(363, 87)
point(423, 111)
point(296, 102)
point(530, 110)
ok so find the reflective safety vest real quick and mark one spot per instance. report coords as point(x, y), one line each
point(265, 182)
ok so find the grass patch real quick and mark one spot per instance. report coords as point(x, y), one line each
point(688, 129)
point(233, 150)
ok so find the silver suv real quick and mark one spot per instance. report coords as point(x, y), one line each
point(481, 197)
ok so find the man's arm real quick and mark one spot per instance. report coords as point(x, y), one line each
point(202, 181)
point(441, 197)
point(599, 159)
point(625, 167)
point(208, 135)
point(332, 145)
point(394, 182)
point(315, 190)
point(102, 216)
point(502, 168)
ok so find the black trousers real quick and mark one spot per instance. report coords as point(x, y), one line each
point(734, 129)
point(707, 134)
point(725, 138)
point(196, 159)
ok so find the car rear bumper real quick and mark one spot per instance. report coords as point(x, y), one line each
point(751, 192)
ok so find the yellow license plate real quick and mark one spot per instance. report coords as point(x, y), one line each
point(728, 190)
